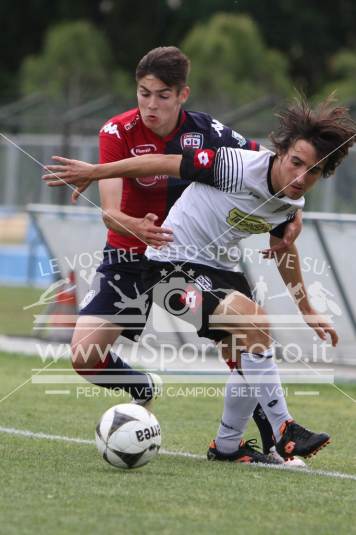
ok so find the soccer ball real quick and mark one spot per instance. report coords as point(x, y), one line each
point(128, 436)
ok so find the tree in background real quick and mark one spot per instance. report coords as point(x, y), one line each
point(231, 64)
point(342, 72)
point(75, 64)
point(307, 33)
point(342, 76)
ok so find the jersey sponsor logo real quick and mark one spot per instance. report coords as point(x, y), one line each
point(149, 181)
point(204, 282)
point(110, 128)
point(217, 126)
point(143, 149)
point(240, 139)
point(131, 124)
point(248, 223)
point(203, 159)
point(192, 140)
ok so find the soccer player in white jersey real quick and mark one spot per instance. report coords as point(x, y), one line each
point(234, 194)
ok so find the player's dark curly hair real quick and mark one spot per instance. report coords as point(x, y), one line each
point(329, 128)
point(167, 63)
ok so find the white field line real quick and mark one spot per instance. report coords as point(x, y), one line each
point(44, 436)
point(306, 393)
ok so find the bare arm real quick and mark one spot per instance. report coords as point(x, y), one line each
point(110, 201)
point(76, 172)
point(291, 233)
point(143, 228)
point(288, 264)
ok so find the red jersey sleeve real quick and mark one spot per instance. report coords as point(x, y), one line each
point(112, 144)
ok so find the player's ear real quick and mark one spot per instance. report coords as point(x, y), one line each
point(184, 94)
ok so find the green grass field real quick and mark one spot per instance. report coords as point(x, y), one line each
point(13, 300)
point(63, 488)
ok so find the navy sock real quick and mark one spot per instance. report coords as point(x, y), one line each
point(116, 374)
point(264, 428)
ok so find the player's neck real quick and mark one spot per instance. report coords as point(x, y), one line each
point(275, 176)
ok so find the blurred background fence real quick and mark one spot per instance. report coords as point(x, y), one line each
point(21, 171)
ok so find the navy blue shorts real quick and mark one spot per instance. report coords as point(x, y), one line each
point(117, 293)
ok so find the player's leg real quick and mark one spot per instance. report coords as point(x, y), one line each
point(117, 294)
point(233, 422)
point(236, 415)
point(261, 376)
point(239, 407)
point(238, 410)
point(94, 359)
point(257, 364)
point(232, 357)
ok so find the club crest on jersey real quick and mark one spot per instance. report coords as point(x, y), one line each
point(143, 149)
point(248, 223)
point(204, 282)
point(192, 140)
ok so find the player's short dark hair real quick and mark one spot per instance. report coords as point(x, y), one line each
point(329, 128)
point(167, 63)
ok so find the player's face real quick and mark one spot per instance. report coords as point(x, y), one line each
point(297, 170)
point(159, 104)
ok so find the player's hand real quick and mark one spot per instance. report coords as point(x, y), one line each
point(317, 322)
point(69, 172)
point(291, 233)
point(79, 190)
point(151, 234)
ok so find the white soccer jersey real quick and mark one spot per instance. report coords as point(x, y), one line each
point(209, 222)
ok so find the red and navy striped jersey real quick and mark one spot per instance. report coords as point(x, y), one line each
point(125, 135)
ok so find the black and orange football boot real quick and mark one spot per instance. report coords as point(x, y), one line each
point(247, 453)
point(296, 440)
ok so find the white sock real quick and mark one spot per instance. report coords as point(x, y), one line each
point(261, 372)
point(239, 405)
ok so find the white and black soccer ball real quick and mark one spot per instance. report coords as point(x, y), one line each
point(128, 436)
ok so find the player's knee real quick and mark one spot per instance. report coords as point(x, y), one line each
point(259, 337)
point(84, 355)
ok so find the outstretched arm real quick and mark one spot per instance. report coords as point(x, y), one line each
point(79, 173)
point(289, 268)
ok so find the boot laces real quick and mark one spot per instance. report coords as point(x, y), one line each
point(251, 444)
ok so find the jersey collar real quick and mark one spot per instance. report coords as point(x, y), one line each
point(269, 179)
